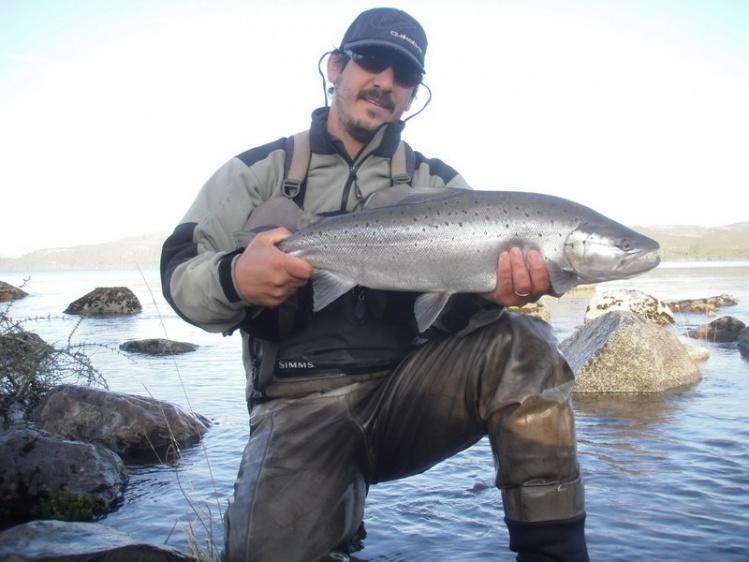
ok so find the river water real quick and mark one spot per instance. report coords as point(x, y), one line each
point(667, 476)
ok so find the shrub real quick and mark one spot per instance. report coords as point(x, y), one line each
point(30, 367)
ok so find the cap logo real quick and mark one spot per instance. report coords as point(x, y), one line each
point(408, 39)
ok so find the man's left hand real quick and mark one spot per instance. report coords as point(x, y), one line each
point(520, 279)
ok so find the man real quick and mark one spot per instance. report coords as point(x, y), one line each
point(352, 395)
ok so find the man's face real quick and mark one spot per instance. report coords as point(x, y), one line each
point(366, 96)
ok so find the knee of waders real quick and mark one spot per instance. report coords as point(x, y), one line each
point(523, 352)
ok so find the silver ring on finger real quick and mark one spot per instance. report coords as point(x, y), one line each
point(522, 295)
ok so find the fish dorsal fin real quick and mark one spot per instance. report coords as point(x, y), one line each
point(327, 287)
point(428, 307)
point(421, 194)
point(561, 280)
point(306, 219)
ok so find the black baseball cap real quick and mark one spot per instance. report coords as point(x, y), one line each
point(388, 28)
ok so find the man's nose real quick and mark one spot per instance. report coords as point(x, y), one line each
point(386, 79)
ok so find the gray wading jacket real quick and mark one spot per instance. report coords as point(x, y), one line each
point(365, 333)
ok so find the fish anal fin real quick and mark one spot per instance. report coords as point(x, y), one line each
point(327, 287)
point(428, 307)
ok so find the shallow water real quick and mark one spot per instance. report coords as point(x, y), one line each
point(666, 475)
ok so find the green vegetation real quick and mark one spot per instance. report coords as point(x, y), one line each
point(65, 505)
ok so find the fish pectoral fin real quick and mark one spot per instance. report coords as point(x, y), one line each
point(327, 287)
point(561, 280)
point(428, 307)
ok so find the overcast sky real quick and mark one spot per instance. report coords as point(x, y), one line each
point(113, 113)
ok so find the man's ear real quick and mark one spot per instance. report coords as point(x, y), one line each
point(413, 97)
point(334, 68)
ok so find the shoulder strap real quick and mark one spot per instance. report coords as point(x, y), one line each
point(299, 153)
point(402, 164)
point(296, 164)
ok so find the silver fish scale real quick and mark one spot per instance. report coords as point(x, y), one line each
point(449, 243)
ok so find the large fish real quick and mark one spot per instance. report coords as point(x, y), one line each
point(447, 241)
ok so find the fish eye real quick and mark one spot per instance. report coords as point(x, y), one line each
point(626, 245)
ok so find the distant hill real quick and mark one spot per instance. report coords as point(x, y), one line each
point(681, 242)
point(129, 253)
point(678, 243)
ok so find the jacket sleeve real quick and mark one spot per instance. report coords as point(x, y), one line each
point(197, 259)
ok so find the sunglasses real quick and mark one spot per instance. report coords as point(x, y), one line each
point(405, 74)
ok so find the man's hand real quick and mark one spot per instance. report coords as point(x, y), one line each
point(265, 275)
point(520, 279)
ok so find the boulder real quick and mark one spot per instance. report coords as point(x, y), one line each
point(43, 475)
point(622, 352)
point(157, 346)
point(59, 541)
point(132, 426)
point(708, 304)
point(10, 293)
point(722, 330)
point(536, 309)
point(632, 300)
point(106, 300)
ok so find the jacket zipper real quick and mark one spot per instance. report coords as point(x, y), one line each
point(351, 181)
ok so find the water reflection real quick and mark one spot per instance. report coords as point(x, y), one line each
point(641, 408)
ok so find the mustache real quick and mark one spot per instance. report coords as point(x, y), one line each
point(375, 95)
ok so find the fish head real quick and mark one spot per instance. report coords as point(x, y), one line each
point(606, 250)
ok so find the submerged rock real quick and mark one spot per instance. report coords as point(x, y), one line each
point(130, 425)
point(157, 346)
point(723, 330)
point(707, 304)
point(640, 303)
point(622, 352)
point(59, 541)
point(106, 300)
point(744, 343)
point(10, 293)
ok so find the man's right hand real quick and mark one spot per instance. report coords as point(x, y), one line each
point(266, 276)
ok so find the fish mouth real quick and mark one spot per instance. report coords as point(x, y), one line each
point(639, 262)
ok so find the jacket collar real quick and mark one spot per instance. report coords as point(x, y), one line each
point(383, 143)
